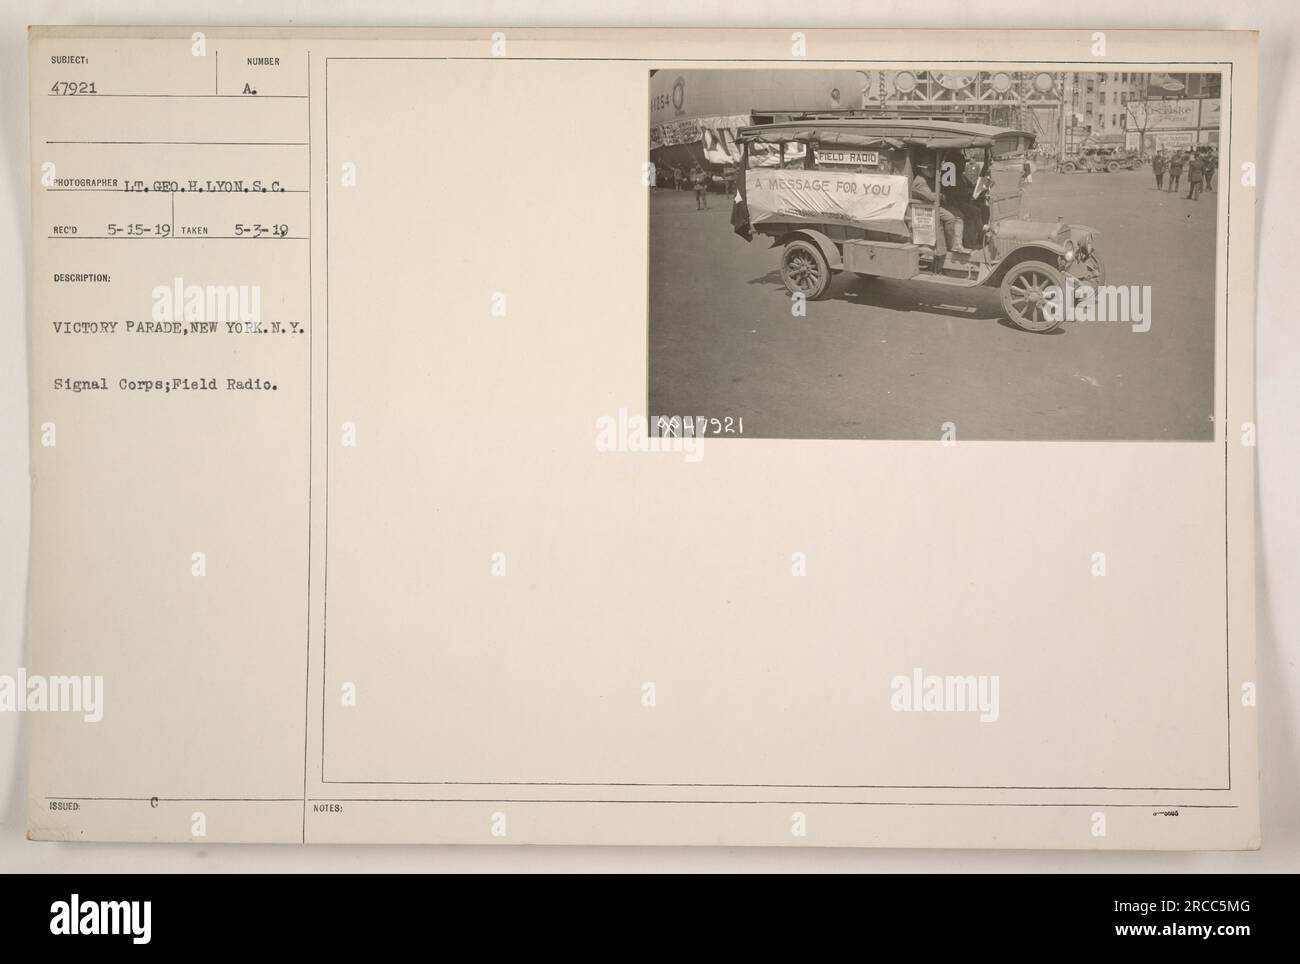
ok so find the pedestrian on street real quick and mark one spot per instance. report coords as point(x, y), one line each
point(700, 181)
point(1195, 172)
point(1175, 171)
point(1159, 165)
point(1211, 165)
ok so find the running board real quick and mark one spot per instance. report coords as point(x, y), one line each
point(951, 272)
point(960, 281)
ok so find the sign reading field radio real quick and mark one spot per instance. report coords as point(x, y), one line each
point(847, 158)
point(821, 195)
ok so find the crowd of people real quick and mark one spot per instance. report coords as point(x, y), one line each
point(1200, 166)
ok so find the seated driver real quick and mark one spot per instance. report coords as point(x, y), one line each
point(923, 190)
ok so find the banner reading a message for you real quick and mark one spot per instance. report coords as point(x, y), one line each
point(824, 196)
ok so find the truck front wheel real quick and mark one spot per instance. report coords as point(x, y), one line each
point(1026, 291)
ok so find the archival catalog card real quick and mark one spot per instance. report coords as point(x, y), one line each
point(772, 437)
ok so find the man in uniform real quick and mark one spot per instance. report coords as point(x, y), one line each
point(700, 181)
point(1158, 165)
point(1195, 172)
point(1175, 170)
point(971, 200)
point(923, 189)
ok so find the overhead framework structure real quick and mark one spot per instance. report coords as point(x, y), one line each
point(695, 114)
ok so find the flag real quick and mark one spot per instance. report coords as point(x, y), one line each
point(740, 218)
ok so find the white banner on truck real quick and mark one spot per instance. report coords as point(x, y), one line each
point(786, 195)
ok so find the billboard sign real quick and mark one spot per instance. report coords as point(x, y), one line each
point(1211, 115)
point(1156, 115)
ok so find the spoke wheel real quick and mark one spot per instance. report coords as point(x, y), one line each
point(804, 270)
point(1025, 293)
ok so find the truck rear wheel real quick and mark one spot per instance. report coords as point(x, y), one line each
point(804, 270)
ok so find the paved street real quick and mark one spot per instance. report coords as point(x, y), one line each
point(895, 359)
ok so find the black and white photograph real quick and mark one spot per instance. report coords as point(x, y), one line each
point(935, 252)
